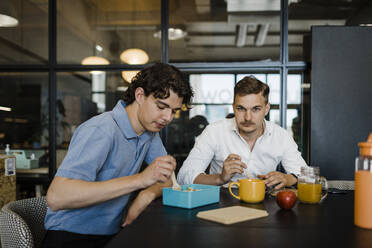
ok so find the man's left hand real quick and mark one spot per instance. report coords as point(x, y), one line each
point(143, 199)
point(279, 179)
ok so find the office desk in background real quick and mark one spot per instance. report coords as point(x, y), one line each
point(37, 177)
point(329, 224)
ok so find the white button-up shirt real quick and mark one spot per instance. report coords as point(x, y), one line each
point(222, 138)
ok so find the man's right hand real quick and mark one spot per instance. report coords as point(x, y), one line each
point(232, 165)
point(160, 170)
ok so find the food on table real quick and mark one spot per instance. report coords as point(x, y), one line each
point(286, 199)
point(188, 189)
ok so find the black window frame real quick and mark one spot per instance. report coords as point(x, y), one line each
point(52, 67)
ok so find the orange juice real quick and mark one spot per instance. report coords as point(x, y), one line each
point(363, 199)
point(309, 192)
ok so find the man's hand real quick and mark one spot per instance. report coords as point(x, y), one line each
point(143, 199)
point(279, 179)
point(159, 170)
point(231, 166)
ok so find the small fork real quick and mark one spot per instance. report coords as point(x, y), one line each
point(175, 185)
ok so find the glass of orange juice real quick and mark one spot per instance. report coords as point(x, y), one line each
point(310, 185)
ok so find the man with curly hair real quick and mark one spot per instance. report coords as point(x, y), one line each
point(87, 197)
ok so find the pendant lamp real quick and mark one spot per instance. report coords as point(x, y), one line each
point(8, 16)
point(133, 56)
point(95, 60)
point(173, 34)
point(128, 75)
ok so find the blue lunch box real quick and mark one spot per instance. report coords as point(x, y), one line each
point(204, 195)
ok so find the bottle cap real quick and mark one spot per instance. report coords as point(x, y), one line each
point(365, 148)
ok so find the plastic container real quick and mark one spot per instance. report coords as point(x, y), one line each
point(7, 149)
point(363, 185)
point(204, 195)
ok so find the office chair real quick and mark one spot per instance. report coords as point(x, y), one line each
point(22, 223)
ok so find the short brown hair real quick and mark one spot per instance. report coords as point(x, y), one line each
point(158, 80)
point(251, 85)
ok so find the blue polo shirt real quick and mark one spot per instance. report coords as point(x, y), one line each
point(103, 148)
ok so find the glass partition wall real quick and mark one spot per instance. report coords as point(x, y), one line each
point(64, 61)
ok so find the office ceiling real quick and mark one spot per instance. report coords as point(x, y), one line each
point(228, 30)
point(217, 30)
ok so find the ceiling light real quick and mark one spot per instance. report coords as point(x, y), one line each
point(173, 34)
point(8, 21)
point(134, 56)
point(5, 108)
point(95, 60)
point(128, 75)
point(7, 14)
point(241, 36)
point(261, 36)
point(121, 88)
point(99, 48)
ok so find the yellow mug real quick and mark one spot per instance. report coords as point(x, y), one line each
point(250, 190)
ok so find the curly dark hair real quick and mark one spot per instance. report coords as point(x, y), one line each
point(251, 85)
point(157, 80)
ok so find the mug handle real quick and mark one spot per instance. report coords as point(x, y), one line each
point(324, 182)
point(231, 184)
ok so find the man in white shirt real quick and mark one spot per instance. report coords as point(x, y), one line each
point(244, 146)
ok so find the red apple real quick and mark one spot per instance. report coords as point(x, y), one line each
point(286, 199)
